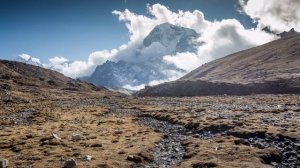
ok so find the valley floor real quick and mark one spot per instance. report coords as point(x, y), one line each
point(120, 131)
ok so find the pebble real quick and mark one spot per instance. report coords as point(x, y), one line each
point(118, 131)
point(87, 158)
point(71, 163)
point(76, 137)
point(120, 121)
point(4, 163)
point(56, 136)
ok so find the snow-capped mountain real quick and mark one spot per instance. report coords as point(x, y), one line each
point(122, 73)
point(171, 39)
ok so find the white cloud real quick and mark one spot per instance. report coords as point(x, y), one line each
point(29, 58)
point(187, 61)
point(138, 87)
point(139, 26)
point(80, 68)
point(173, 76)
point(26, 57)
point(279, 15)
point(58, 60)
point(218, 38)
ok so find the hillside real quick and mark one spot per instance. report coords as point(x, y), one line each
point(24, 82)
point(270, 68)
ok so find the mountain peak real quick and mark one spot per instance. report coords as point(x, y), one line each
point(292, 32)
point(174, 38)
point(166, 26)
point(170, 38)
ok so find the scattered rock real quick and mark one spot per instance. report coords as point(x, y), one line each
point(135, 159)
point(147, 156)
point(28, 136)
point(54, 142)
point(118, 131)
point(241, 142)
point(204, 165)
point(56, 136)
point(87, 158)
point(15, 149)
point(4, 163)
point(121, 152)
point(272, 156)
point(96, 145)
point(114, 141)
point(76, 137)
point(71, 163)
point(120, 121)
point(189, 155)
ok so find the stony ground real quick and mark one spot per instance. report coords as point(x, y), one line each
point(117, 131)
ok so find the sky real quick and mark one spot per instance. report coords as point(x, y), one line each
point(74, 36)
point(76, 28)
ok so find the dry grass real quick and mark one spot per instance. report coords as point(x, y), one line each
point(31, 145)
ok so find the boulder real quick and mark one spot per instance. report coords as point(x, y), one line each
point(71, 163)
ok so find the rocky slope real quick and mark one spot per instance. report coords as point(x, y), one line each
point(21, 82)
point(270, 68)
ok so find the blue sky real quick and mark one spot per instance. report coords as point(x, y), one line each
point(75, 28)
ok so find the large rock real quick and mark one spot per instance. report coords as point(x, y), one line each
point(71, 163)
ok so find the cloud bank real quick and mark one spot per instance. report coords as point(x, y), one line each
point(278, 15)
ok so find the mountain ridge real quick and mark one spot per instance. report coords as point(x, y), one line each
point(20, 81)
point(261, 69)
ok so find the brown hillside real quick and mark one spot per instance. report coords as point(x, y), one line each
point(270, 68)
point(24, 82)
